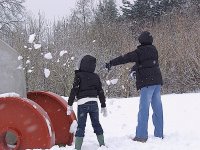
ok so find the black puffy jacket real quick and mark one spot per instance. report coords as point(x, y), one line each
point(86, 82)
point(146, 59)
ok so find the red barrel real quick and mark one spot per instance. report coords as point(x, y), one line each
point(28, 122)
point(56, 108)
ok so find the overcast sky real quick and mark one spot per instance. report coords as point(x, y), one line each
point(52, 8)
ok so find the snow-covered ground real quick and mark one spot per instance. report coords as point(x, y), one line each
point(181, 125)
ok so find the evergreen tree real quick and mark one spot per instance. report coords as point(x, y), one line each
point(127, 9)
point(148, 9)
point(107, 11)
point(140, 9)
point(165, 6)
point(197, 2)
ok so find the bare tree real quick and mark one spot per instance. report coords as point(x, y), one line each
point(11, 12)
point(84, 12)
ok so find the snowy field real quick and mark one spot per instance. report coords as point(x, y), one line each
point(181, 125)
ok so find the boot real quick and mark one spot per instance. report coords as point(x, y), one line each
point(78, 143)
point(100, 139)
point(142, 140)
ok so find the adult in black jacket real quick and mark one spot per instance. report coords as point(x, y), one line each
point(148, 81)
point(87, 89)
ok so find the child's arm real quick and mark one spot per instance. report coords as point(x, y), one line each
point(102, 99)
point(74, 90)
point(101, 95)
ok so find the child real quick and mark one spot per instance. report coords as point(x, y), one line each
point(86, 88)
point(148, 81)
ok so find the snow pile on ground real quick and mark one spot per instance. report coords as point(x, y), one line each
point(181, 125)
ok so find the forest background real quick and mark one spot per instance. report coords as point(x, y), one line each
point(105, 32)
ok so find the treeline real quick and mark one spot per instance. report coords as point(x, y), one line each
point(105, 32)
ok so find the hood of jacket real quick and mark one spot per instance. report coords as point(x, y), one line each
point(88, 64)
point(145, 38)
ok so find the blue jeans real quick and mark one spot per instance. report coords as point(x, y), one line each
point(92, 109)
point(150, 95)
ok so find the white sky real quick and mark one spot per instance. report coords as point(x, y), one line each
point(52, 8)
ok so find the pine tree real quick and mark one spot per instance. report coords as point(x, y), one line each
point(166, 6)
point(107, 11)
point(127, 9)
point(142, 10)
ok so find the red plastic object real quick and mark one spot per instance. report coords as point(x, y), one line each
point(56, 108)
point(29, 123)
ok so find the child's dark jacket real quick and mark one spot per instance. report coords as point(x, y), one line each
point(87, 84)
